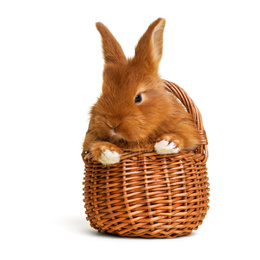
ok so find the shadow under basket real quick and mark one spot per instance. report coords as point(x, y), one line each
point(147, 194)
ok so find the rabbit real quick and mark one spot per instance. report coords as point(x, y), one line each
point(135, 112)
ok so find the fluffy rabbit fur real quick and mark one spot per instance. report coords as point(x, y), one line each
point(135, 111)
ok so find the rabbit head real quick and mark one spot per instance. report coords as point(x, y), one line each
point(134, 102)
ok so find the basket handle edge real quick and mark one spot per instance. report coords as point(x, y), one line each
point(193, 110)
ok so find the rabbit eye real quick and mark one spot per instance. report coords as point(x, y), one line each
point(138, 99)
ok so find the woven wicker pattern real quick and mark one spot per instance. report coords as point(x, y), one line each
point(147, 194)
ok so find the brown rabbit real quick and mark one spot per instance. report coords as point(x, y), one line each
point(135, 111)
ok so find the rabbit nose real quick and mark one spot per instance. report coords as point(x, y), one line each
point(115, 128)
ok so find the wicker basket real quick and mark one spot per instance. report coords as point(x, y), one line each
point(147, 194)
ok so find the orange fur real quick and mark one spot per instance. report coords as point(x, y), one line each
point(117, 122)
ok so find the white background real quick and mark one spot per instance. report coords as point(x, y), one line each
point(50, 75)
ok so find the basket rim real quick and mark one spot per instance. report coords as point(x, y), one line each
point(136, 155)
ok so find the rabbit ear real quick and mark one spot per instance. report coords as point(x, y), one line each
point(112, 51)
point(150, 47)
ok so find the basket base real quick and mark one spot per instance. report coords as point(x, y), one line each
point(150, 231)
point(148, 236)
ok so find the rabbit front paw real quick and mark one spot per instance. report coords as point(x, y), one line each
point(106, 153)
point(109, 157)
point(168, 144)
point(165, 147)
